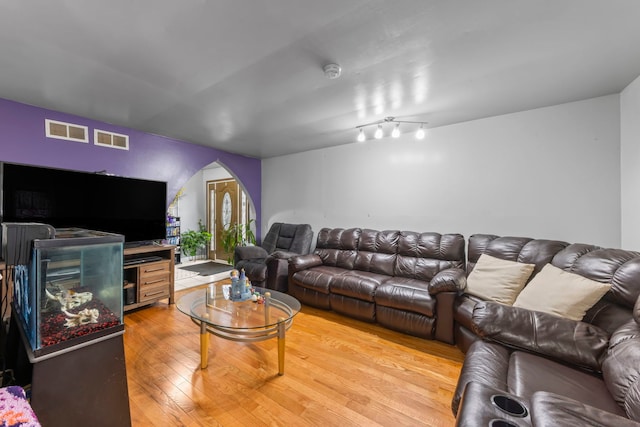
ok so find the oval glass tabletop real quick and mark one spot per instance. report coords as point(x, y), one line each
point(212, 306)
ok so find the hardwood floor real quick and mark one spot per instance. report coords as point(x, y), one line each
point(338, 372)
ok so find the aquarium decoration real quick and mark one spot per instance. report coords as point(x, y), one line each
point(82, 318)
point(70, 299)
point(59, 326)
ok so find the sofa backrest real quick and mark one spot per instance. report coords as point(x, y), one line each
point(377, 251)
point(391, 252)
point(337, 247)
point(617, 267)
point(520, 249)
point(295, 238)
point(423, 255)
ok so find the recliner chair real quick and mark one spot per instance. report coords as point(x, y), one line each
point(267, 265)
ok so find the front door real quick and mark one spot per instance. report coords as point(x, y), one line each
point(224, 195)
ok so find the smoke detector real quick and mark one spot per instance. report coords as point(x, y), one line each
point(332, 71)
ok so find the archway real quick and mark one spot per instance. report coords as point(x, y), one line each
point(195, 204)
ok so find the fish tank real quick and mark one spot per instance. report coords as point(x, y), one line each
point(70, 292)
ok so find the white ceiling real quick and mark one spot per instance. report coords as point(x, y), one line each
point(246, 76)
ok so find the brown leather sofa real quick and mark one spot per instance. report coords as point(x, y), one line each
point(552, 370)
point(403, 280)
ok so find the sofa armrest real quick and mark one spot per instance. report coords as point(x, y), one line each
point(445, 287)
point(303, 262)
point(549, 409)
point(282, 255)
point(485, 363)
point(449, 280)
point(249, 252)
point(478, 407)
point(566, 340)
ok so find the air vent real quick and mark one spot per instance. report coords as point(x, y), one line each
point(66, 131)
point(110, 139)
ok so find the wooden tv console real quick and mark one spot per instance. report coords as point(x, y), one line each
point(149, 270)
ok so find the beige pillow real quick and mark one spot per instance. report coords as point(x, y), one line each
point(559, 292)
point(497, 279)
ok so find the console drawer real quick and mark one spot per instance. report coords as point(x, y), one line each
point(154, 280)
point(152, 291)
point(153, 269)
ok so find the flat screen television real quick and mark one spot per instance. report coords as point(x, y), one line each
point(135, 208)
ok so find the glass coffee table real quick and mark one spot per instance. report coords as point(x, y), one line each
point(245, 321)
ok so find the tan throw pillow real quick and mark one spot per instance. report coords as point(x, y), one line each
point(497, 279)
point(559, 292)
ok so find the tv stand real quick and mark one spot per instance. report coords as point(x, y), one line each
point(148, 275)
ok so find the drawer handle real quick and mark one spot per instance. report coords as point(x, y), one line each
point(154, 281)
point(153, 293)
point(155, 269)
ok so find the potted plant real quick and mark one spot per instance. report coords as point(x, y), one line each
point(236, 235)
point(191, 240)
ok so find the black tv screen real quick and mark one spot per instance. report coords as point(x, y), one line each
point(135, 208)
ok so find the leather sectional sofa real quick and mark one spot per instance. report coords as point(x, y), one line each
point(541, 368)
point(523, 366)
point(403, 280)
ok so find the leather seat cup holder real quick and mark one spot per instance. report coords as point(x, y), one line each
point(501, 423)
point(509, 406)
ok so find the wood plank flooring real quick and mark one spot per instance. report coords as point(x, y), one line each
point(338, 372)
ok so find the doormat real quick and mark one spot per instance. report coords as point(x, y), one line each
point(208, 268)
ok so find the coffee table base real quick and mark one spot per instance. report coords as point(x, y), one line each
point(244, 335)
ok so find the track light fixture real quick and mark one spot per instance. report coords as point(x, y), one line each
point(379, 132)
point(395, 133)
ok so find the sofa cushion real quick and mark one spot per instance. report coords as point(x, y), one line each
point(553, 410)
point(357, 284)
point(529, 373)
point(406, 294)
point(497, 279)
point(561, 293)
point(317, 278)
point(255, 269)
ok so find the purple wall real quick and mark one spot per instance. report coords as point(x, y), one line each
point(22, 140)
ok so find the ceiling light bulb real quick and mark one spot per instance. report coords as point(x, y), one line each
point(361, 136)
point(420, 133)
point(378, 133)
point(396, 131)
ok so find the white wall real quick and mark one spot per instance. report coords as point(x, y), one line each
point(547, 173)
point(630, 164)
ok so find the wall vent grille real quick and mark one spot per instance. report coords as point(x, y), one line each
point(67, 131)
point(110, 139)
